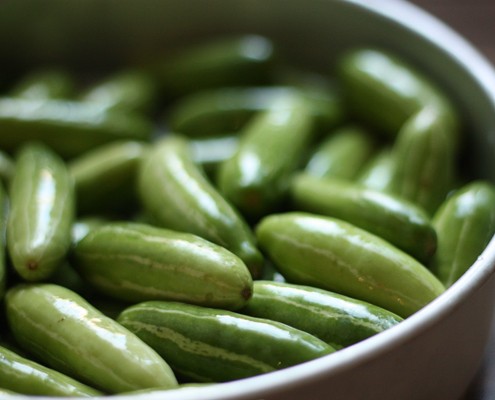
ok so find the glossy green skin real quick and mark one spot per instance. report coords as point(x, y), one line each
point(82, 226)
point(225, 109)
point(73, 337)
point(6, 167)
point(179, 196)
point(68, 277)
point(254, 179)
point(45, 84)
point(228, 109)
point(25, 376)
point(4, 210)
point(230, 61)
point(128, 91)
point(337, 320)
point(270, 273)
point(212, 345)
point(342, 154)
point(465, 223)
point(377, 173)
point(105, 177)
point(385, 90)
point(208, 153)
point(394, 219)
point(334, 255)
point(41, 212)
point(321, 89)
point(137, 262)
point(9, 393)
point(69, 127)
point(426, 150)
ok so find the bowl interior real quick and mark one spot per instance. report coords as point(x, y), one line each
point(99, 35)
point(94, 35)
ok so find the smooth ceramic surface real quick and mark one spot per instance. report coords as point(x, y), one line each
point(434, 354)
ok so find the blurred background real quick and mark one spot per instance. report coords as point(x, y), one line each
point(475, 20)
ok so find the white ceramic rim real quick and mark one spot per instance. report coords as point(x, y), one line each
point(470, 59)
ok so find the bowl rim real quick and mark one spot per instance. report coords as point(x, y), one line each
point(482, 72)
point(471, 60)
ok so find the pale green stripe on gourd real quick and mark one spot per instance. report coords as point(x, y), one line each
point(217, 345)
point(70, 335)
point(334, 255)
point(177, 194)
point(395, 219)
point(338, 320)
point(256, 178)
point(22, 375)
point(41, 212)
point(136, 262)
point(197, 348)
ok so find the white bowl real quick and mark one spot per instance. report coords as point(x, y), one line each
point(435, 353)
